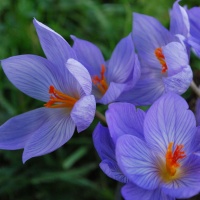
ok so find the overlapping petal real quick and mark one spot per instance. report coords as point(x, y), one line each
point(83, 112)
point(16, 131)
point(56, 130)
point(137, 162)
point(121, 63)
point(169, 120)
point(106, 150)
point(89, 55)
point(179, 21)
point(31, 74)
point(130, 122)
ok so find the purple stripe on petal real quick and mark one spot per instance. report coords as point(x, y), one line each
point(55, 131)
point(130, 122)
point(31, 74)
point(137, 162)
point(15, 133)
point(83, 112)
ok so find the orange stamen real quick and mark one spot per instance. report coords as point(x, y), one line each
point(172, 163)
point(100, 82)
point(59, 100)
point(161, 58)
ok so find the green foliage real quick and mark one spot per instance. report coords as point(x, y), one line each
point(71, 172)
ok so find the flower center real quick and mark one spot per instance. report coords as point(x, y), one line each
point(159, 55)
point(172, 158)
point(58, 99)
point(100, 82)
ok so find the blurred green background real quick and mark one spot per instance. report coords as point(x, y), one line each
point(72, 171)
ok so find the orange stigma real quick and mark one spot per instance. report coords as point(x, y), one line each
point(100, 82)
point(172, 163)
point(59, 99)
point(161, 58)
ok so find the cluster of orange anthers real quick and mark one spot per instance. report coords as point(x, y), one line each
point(59, 99)
point(100, 82)
point(172, 158)
point(161, 58)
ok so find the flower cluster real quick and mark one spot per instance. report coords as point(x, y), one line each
point(154, 153)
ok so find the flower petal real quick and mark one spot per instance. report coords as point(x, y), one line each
point(15, 133)
point(55, 47)
point(121, 63)
point(81, 74)
point(131, 191)
point(145, 92)
point(113, 92)
point(83, 112)
point(131, 122)
point(55, 131)
point(137, 162)
point(106, 150)
point(169, 120)
point(31, 74)
point(179, 23)
point(89, 55)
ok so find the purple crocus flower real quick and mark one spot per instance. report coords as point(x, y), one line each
point(163, 164)
point(105, 139)
point(58, 80)
point(194, 39)
point(164, 62)
point(114, 76)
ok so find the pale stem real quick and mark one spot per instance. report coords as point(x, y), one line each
point(100, 116)
point(195, 88)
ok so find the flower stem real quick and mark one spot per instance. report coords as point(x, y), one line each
point(195, 88)
point(100, 116)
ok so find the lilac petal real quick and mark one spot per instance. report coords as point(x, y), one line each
point(179, 82)
point(56, 49)
point(179, 23)
point(176, 57)
point(195, 43)
point(145, 92)
point(131, 122)
point(169, 120)
point(55, 131)
point(89, 55)
point(15, 133)
point(131, 191)
point(31, 74)
point(121, 63)
point(136, 71)
point(137, 162)
point(81, 74)
point(148, 35)
point(83, 112)
point(106, 150)
point(113, 92)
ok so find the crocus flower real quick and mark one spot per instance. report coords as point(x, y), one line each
point(105, 138)
point(163, 164)
point(194, 39)
point(58, 80)
point(114, 76)
point(164, 62)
